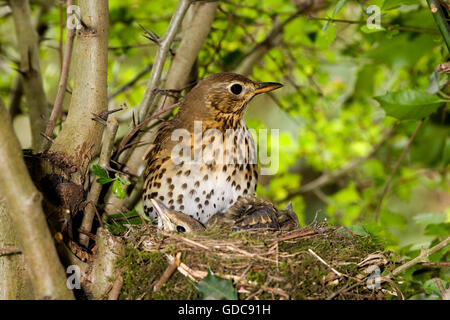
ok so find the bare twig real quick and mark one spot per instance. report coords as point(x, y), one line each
point(329, 177)
point(386, 25)
point(169, 271)
point(24, 202)
point(133, 132)
point(422, 256)
point(325, 263)
point(146, 105)
point(131, 83)
point(96, 188)
point(394, 170)
point(116, 287)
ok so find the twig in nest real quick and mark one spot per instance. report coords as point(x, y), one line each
point(325, 263)
point(116, 287)
point(169, 271)
point(189, 241)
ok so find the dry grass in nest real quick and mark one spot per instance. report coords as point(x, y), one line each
point(315, 262)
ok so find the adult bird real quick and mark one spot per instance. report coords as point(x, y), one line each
point(204, 158)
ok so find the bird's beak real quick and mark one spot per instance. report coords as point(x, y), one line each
point(263, 87)
point(161, 211)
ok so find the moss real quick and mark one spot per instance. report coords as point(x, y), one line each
point(296, 272)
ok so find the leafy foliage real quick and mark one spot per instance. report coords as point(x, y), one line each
point(350, 93)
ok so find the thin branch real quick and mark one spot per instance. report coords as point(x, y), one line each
point(422, 256)
point(57, 107)
point(387, 25)
point(131, 83)
point(116, 287)
point(397, 164)
point(24, 202)
point(441, 20)
point(329, 177)
point(146, 106)
point(96, 188)
point(325, 263)
point(169, 271)
point(30, 69)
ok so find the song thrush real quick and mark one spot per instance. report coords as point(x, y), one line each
point(247, 213)
point(204, 158)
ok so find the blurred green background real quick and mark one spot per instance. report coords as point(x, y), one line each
point(326, 113)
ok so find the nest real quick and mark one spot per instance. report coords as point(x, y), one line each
point(315, 262)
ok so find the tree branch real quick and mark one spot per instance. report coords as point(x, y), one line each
point(24, 201)
point(146, 105)
point(57, 107)
point(96, 188)
point(441, 20)
point(30, 69)
point(394, 170)
point(89, 95)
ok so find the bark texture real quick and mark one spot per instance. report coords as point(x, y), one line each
point(24, 202)
point(80, 137)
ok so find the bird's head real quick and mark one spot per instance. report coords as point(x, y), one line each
point(226, 93)
point(175, 221)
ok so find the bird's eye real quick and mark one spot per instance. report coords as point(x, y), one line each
point(181, 229)
point(236, 88)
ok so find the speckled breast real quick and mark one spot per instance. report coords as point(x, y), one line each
point(227, 170)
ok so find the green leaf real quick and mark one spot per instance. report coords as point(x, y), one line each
point(99, 171)
point(122, 180)
point(338, 7)
point(374, 29)
point(358, 230)
point(439, 230)
point(431, 287)
point(391, 4)
point(216, 288)
point(105, 180)
point(118, 190)
point(429, 218)
point(326, 37)
point(409, 104)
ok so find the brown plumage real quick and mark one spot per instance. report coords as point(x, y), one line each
point(202, 188)
point(248, 213)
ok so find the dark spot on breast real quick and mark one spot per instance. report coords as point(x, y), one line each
point(229, 179)
point(181, 207)
point(172, 207)
point(171, 201)
point(161, 198)
point(179, 173)
point(197, 199)
point(171, 187)
point(170, 194)
point(197, 184)
point(153, 194)
point(205, 177)
point(184, 186)
point(224, 169)
point(206, 203)
point(192, 192)
point(187, 173)
point(238, 187)
point(169, 180)
point(180, 200)
point(199, 206)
